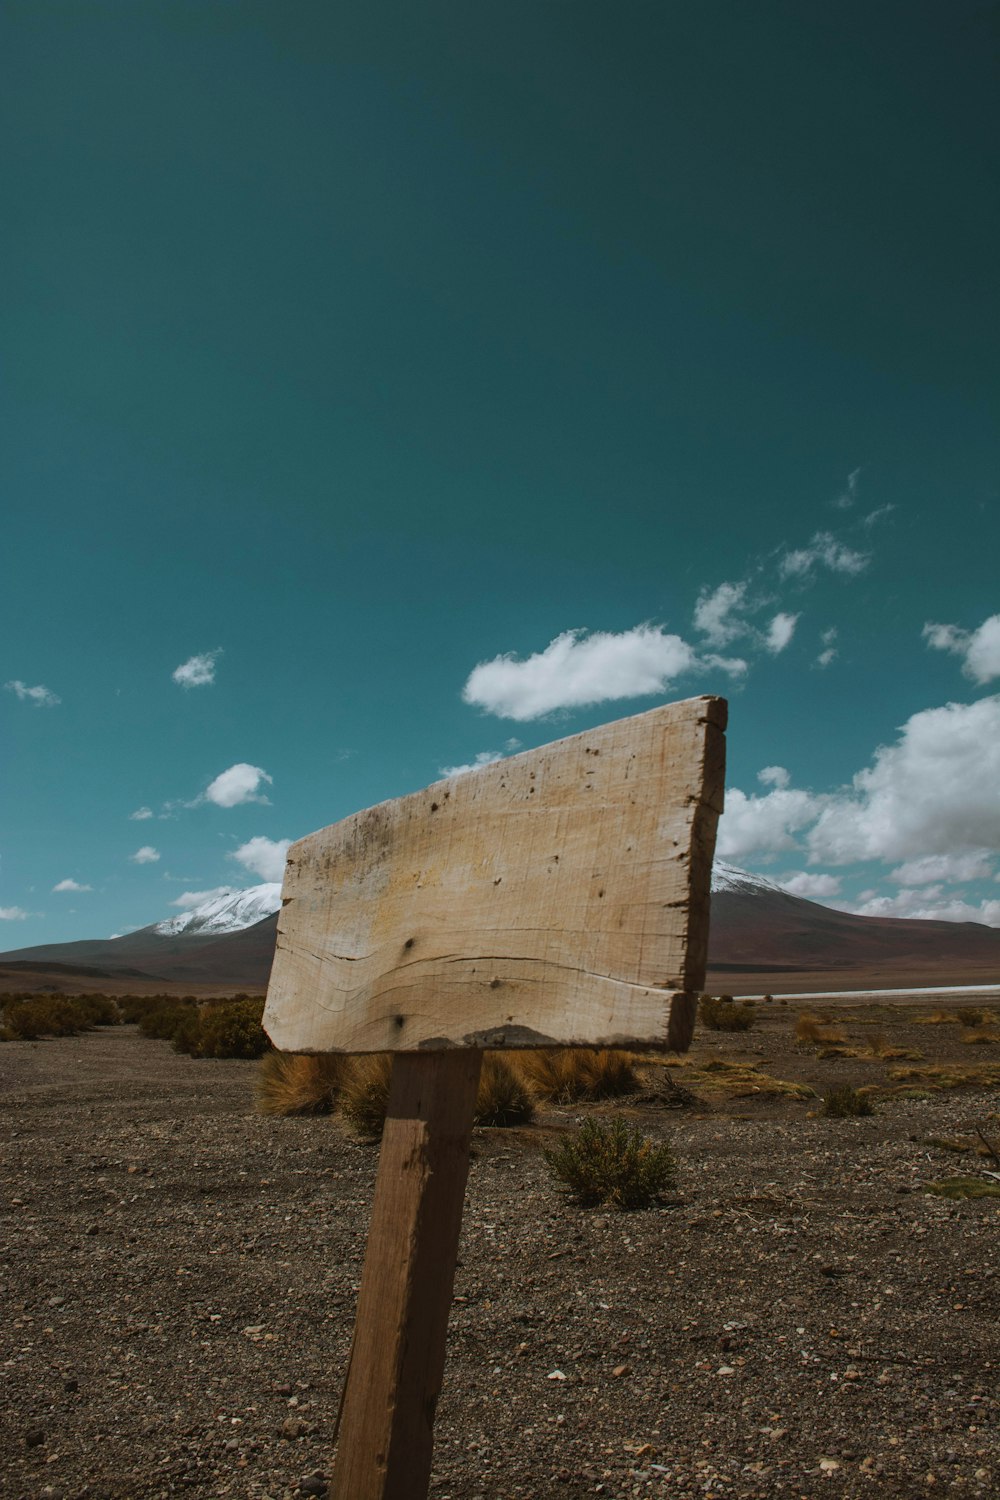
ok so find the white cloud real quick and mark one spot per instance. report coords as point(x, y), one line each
point(577, 669)
point(929, 801)
point(949, 869)
point(71, 885)
point(263, 857)
point(829, 652)
point(13, 914)
point(813, 887)
point(237, 785)
point(41, 697)
point(147, 855)
point(197, 671)
point(780, 632)
point(484, 758)
point(733, 666)
point(849, 494)
point(195, 898)
point(823, 551)
point(759, 825)
point(716, 614)
point(929, 903)
point(774, 776)
point(980, 648)
point(933, 792)
point(140, 815)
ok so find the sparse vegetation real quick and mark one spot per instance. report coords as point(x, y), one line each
point(970, 1015)
point(294, 1083)
point(568, 1075)
point(846, 1104)
point(613, 1163)
point(963, 1187)
point(722, 1013)
point(949, 1075)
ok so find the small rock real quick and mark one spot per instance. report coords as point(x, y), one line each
point(71, 1385)
point(34, 1437)
point(828, 1465)
point(555, 1375)
point(313, 1484)
point(619, 1371)
point(293, 1427)
point(726, 1370)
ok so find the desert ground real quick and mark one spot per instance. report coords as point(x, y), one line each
point(800, 1318)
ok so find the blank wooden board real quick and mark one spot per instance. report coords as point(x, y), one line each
point(556, 898)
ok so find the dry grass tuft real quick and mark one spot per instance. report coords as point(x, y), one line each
point(740, 1080)
point(568, 1075)
point(292, 1083)
point(814, 1031)
point(980, 1038)
point(364, 1092)
point(938, 1018)
point(949, 1075)
point(503, 1097)
point(963, 1187)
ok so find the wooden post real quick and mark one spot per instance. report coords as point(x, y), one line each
point(386, 1433)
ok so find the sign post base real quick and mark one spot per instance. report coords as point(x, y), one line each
point(387, 1425)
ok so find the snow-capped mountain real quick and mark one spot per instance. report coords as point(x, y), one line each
point(225, 911)
point(732, 878)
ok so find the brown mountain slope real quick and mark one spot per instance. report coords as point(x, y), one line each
point(762, 939)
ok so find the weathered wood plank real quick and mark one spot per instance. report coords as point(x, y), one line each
point(386, 1432)
point(559, 897)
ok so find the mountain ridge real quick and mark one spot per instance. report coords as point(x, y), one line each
point(761, 936)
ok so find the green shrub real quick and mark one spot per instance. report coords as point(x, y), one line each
point(721, 1013)
point(846, 1103)
point(503, 1098)
point(232, 1029)
point(613, 1164)
point(97, 1010)
point(161, 1020)
point(42, 1015)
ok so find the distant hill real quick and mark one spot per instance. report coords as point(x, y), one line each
point(762, 940)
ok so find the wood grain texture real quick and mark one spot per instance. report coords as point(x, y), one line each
point(559, 897)
point(387, 1425)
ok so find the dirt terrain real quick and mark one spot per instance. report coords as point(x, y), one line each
point(178, 1275)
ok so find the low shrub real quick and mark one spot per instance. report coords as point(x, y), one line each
point(567, 1075)
point(722, 1013)
point(846, 1103)
point(614, 1164)
point(293, 1083)
point(503, 1097)
point(231, 1029)
point(970, 1015)
point(161, 1019)
point(99, 1010)
point(43, 1015)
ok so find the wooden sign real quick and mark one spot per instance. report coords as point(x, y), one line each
point(556, 898)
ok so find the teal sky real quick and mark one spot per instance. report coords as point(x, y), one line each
point(353, 347)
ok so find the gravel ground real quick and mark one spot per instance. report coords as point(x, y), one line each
point(178, 1275)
